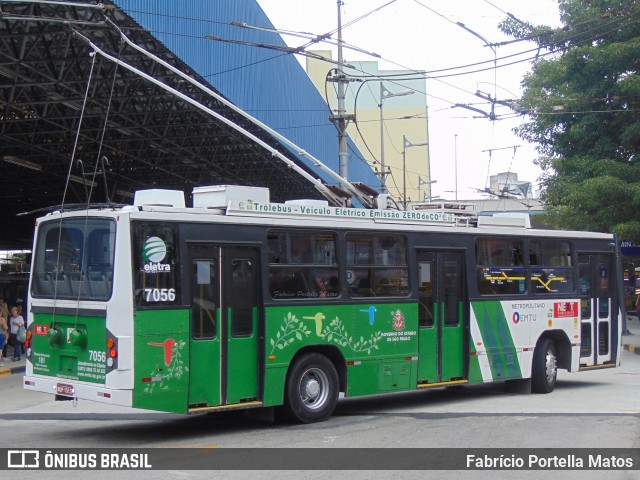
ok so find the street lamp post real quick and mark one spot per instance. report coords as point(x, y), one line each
point(425, 182)
point(384, 93)
point(455, 161)
point(407, 144)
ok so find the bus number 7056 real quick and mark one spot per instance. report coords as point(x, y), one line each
point(159, 294)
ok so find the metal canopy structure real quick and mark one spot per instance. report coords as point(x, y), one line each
point(60, 104)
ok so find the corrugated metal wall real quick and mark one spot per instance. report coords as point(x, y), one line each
point(269, 85)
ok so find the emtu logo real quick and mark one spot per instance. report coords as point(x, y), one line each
point(516, 317)
point(154, 250)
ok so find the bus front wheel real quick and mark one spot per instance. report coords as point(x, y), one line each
point(311, 390)
point(545, 367)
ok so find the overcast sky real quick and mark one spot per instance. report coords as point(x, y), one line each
point(423, 35)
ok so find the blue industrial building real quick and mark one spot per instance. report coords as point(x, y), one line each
point(267, 84)
point(63, 103)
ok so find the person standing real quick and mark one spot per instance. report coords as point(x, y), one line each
point(4, 309)
point(4, 333)
point(4, 313)
point(19, 307)
point(16, 321)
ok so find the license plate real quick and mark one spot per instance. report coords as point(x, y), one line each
point(65, 389)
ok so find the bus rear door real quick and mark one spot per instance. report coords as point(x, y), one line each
point(223, 365)
point(596, 309)
point(442, 318)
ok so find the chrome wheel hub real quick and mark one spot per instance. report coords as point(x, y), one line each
point(314, 388)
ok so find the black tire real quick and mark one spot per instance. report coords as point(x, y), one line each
point(545, 367)
point(311, 392)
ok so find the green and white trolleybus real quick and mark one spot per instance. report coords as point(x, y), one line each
point(238, 302)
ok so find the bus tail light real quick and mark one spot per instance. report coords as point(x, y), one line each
point(111, 347)
point(112, 352)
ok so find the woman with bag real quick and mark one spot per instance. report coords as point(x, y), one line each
point(16, 321)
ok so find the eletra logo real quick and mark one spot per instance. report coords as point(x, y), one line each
point(154, 250)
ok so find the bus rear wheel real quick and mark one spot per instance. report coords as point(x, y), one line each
point(545, 367)
point(311, 392)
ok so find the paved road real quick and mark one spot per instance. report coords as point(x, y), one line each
point(588, 409)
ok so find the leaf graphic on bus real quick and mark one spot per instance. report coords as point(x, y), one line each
point(336, 332)
point(291, 328)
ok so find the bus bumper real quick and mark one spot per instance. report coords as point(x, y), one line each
point(78, 390)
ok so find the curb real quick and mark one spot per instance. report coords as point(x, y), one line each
point(631, 348)
point(5, 372)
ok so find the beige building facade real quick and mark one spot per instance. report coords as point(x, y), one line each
point(388, 123)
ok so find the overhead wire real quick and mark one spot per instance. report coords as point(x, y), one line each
point(319, 38)
point(385, 59)
point(422, 74)
point(548, 53)
point(461, 73)
point(427, 74)
point(455, 71)
point(416, 74)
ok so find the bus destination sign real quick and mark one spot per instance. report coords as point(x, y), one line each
point(244, 207)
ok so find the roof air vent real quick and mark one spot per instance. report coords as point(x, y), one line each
point(157, 197)
point(219, 196)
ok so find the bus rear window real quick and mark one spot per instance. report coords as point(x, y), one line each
point(73, 259)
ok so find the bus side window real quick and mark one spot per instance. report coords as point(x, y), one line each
point(425, 294)
point(551, 267)
point(302, 265)
point(500, 266)
point(203, 314)
point(377, 265)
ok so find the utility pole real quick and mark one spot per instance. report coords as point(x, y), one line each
point(341, 118)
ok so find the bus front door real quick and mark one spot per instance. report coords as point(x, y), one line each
point(442, 318)
point(223, 363)
point(596, 309)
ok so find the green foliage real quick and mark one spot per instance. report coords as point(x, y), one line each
point(583, 103)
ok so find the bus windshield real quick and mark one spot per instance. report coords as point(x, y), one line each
point(73, 259)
